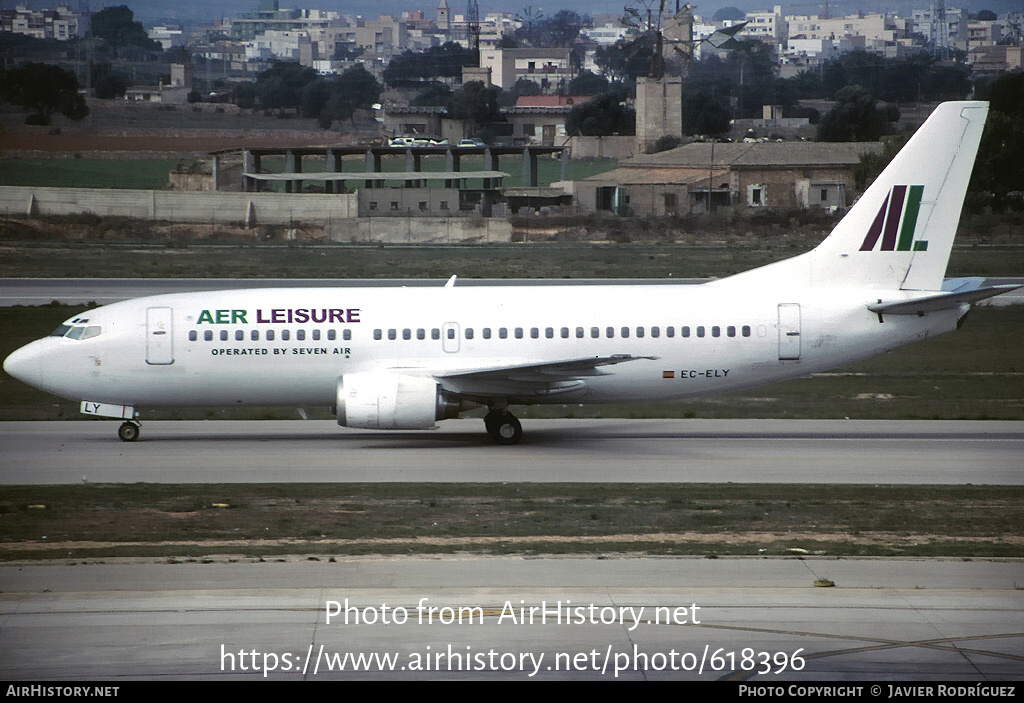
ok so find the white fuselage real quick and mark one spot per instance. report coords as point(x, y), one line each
point(215, 348)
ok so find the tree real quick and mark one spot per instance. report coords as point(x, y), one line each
point(731, 13)
point(705, 114)
point(986, 16)
point(445, 61)
point(477, 102)
point(43, 89)
point(588, 83)
point(281, 85)
point(602, 116)
point(355, 89)
point(856, 117)
point(117, 26)
point(999, 169)
point(625, 61)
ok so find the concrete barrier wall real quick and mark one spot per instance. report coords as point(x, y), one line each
point(337, 214)
point(177, 206)
point(602, 147)
point(422, 230)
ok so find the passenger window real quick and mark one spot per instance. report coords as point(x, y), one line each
point(270, 335)
point(609, 332)
point(332, 334)
point(223, 335)
point(346, 335)
point(519, 332)
point(285, 335)
point(392, 333)
point(208, 335)
point(406, 333)
point(579, 333)
point(435, 333)
point(731, 331)
point(716, 331)
point(685, 331)
point(549, 332)
point(655, 332)
point(254, 335)
point(639, 331)
point(376, 334)
point(564, 332)
point(469, 333)
point(503, 332)
point(193, 335)
point(670, 331)
point(625, 332)
point(451, 333)
point(316, 335)
point(595, 332)
point(300, 335)
point(746, 330)
point(487, 332)
point(700, 331)
point(534, 333)
point(239, 335)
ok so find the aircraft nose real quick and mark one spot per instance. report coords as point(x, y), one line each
point(25, 364)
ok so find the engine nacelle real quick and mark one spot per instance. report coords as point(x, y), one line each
point(380, 400)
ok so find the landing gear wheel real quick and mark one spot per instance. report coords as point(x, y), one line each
point(503, 427)
point(129, 431)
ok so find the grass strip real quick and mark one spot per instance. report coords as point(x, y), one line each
point(261, 520)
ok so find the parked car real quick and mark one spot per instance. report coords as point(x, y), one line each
point(474, 142)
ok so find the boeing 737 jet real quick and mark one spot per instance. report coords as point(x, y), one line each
point(405, 358)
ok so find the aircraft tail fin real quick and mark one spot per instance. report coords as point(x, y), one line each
point(900, 232)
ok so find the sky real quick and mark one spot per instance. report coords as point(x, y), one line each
point(155, 11)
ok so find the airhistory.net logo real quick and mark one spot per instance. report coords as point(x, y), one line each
point(898, 206)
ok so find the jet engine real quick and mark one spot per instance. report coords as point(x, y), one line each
point(380, 400)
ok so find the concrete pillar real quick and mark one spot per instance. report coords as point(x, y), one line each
point(372, 166)
point(216, 172)
point(529, 168)
point(248, 183)
point(490, 164)
point(565, 164)
point(332, 164)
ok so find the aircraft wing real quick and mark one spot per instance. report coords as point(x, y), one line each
point(529, 380)
point(940, 301)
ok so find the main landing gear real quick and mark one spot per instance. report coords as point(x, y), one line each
point(503, 427)
point(129, 431)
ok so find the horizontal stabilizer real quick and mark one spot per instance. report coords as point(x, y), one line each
point(941, 301)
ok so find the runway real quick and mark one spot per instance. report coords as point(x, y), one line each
point(614, 619)
point(741, 451)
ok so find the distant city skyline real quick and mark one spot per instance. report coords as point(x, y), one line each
point(154, 11)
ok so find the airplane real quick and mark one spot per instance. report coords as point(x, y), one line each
point(405, 358)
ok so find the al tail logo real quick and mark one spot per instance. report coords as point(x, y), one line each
point(898, 206)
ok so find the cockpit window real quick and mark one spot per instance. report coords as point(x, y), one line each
point(78, 332)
